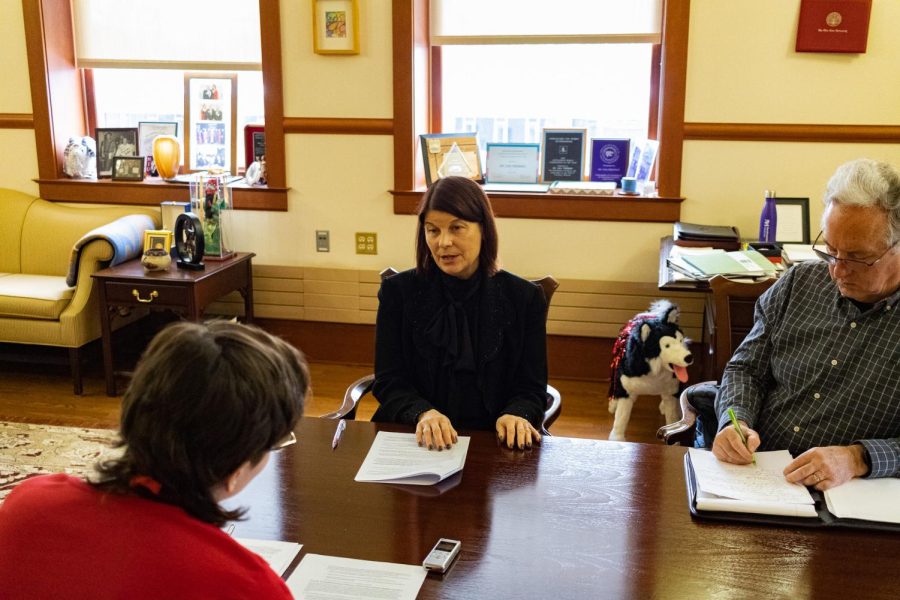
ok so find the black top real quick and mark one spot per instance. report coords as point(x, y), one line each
point(472, 349)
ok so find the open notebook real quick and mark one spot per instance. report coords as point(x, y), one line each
point(759, 493)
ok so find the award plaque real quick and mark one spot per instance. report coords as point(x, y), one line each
point(563, 152)
point(436, 147)
point(609, 159)
point(512, 163)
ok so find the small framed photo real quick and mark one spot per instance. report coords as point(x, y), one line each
point(147, 132)
point(128, 168)
point(157, 239)
point(335, 26)
point(254, 144)
point(792, 220)
point(113, 142)
point(210, 121)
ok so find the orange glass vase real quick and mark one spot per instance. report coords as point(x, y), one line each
point(167, 155)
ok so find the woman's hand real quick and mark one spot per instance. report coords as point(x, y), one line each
point(435, 431)
point(516, 432)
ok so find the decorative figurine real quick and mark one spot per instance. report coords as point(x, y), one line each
point(80, 158)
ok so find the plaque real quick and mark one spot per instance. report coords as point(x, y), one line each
point(512, 163)
point(436, 146)
point(563, 154)
point(609, 159)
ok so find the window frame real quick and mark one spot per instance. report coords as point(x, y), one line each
point(416, 82)
point(63, 104)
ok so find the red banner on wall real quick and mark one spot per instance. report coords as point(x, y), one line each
point(833, 25)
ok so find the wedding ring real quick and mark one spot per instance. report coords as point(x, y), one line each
point(818, 477)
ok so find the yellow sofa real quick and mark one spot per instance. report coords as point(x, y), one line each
point(47, 294)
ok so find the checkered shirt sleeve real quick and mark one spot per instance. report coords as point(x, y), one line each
point(816, 371)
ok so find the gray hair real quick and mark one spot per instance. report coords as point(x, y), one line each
point(866, 182)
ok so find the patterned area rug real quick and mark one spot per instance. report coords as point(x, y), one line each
point(27, 450)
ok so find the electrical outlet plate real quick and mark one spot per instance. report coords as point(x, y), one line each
point(323, 240)
point(366, 242)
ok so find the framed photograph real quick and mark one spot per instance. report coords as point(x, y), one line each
point(128, 168)
point(157, 239)
point(335, 26)
point(147, 132)
point(113, 142)
point(254, 144)
point(210, 121)
point(792, 221)
point(446, 154)
point(563, 154)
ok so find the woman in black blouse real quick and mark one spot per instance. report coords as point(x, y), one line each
point(459, 343)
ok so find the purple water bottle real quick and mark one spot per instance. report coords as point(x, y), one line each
point(768, 219)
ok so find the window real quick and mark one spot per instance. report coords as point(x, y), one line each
point(604, 88)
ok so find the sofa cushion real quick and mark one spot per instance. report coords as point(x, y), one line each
point(34, 296)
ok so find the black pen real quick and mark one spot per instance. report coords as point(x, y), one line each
point(342, 424)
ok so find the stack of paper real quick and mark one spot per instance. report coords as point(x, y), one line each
point(795, 253)
point(397, 458)
point(749, 263)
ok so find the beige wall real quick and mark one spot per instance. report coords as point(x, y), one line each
point(741, 68)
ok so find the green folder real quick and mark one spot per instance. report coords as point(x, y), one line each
point(740, 262)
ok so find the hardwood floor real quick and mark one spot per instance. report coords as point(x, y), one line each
point(43, 394)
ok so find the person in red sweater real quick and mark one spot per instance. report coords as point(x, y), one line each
point(206, 406)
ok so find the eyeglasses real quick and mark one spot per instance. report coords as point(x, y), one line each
point(848, 262)
point(290, 440)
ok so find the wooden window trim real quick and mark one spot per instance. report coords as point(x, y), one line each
point(60, 110)
point(416, 81)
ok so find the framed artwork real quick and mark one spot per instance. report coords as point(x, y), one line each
point(254, 144)
point(563, 154)
point(210, 121)
point(147, 132)
point(157, 239)
point(446, 154)
point(792, 220)
point(128, 168)
point(335, 26)
point(113, 142)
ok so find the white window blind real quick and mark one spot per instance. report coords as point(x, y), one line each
point(170, 34)
point(545, 21)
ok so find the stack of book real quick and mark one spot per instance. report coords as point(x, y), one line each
point(711, 236)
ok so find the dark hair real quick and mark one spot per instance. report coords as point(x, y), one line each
point(204, 400)
point(464, 199)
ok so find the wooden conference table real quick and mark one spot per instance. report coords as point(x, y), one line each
point(570, 519)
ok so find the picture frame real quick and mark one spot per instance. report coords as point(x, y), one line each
point(792, 221)
point(254, 144)
point(147, 132)
point(128, 168)
point(437, 146)
point(210, 122)
point(562, 154)
point(512, 163)
point(335, 26)
point(113, 142)
point(157, 239)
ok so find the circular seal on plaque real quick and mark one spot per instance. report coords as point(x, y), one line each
point(833, 19)
point(609, 154)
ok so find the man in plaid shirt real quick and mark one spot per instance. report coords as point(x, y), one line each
point(819, 373)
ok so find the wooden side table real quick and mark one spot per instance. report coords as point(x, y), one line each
point(182, 291)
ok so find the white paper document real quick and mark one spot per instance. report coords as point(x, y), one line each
point(867, 499)
point(397, 458)
point(278, 554)
point(759, 488)
point(319, 577)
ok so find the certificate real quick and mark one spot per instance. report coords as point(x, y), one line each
point(512, 163)
point(609, 159)
point(563, 151)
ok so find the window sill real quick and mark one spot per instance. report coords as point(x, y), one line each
point(564, 206)
point(152, 191)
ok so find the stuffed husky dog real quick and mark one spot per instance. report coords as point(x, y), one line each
point(650, 356)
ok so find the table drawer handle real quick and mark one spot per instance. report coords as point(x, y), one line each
point(137, 294)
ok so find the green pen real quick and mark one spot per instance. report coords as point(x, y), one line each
point(740, 431)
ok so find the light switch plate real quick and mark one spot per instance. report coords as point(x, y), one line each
point(323, 240)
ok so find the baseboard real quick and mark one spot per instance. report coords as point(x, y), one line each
point(568, 356)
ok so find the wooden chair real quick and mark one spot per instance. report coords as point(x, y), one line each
point(363, 385)
point(733, 303)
